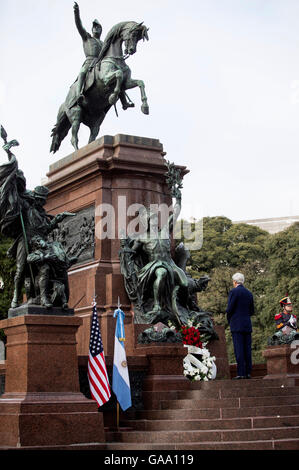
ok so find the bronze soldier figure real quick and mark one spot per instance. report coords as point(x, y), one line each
point(92, 46)
point(22, 216)
point(51, 263)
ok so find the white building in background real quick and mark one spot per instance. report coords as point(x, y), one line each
point(274, 225)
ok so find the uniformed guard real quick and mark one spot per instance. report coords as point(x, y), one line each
point(285, 321)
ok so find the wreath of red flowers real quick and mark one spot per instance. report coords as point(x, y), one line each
point(191, 336)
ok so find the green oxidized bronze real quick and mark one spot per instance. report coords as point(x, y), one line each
point(92, 46)
point(281, 338)
point(103, 80)
point(159, 287)
point(286, 325)
point(40, 266)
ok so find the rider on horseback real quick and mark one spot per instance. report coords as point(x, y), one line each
point(92, 46)
point(103, 85)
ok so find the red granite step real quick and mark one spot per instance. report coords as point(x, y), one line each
point(261, 434)
point(281, 444)
point(236, 392)
point(229, 402)
point(274, 400)
point(201, 403)
point(251, 414)
point(281, 391)
point(260, 445)
point(261, 411)
point(176, 437)
point(212, 424)
point(286, 444)
point(244, 383)
point(208, 413)
point(188, 424)
point(220, 388)
point(216, 413)
point(275, 421)
point(252, 390)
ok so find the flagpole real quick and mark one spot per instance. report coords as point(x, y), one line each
point(117, 415)
point(96, 370)
point(120, 378)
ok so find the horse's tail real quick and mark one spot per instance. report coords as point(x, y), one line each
point(60, 130)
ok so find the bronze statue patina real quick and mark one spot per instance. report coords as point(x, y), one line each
point(92, 46)
point(159, 288)
point(23, 218)
point(101, 82)
point(50, 263)
point(151, 276)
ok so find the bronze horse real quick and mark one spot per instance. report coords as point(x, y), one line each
point(105, 84)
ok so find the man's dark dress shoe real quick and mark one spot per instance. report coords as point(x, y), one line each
point(239, 377)
point(248, 376)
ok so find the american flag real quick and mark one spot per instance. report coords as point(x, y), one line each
point(97, 372)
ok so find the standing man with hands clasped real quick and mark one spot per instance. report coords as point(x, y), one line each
point(239, 310)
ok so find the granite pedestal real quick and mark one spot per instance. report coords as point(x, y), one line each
point(42, 406)
point(110, 174)
point(282, 361)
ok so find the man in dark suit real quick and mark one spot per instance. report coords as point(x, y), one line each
point(240, 307)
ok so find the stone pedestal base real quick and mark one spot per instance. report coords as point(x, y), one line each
point(167, 358)
point(282, 361)
point(42, 405)
point(49, 420)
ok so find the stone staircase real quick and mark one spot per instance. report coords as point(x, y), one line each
point(250, 414)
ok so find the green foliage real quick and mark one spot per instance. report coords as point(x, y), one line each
point(7, 270)
point(270, 264)
point(228, 245)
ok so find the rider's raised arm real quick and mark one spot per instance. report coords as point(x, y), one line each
point(82, 31)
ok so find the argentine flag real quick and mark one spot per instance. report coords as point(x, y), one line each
point(120, 377)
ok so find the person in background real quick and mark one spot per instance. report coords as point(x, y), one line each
point(286, 321)
point(240, 308)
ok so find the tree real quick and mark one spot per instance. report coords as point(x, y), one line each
point(270, 264)
point(228, 248)
point(283, 257)
point(7, 270)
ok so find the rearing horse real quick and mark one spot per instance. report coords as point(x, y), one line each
point(105, 84)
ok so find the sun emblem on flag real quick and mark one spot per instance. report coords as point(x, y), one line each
point(124, 363)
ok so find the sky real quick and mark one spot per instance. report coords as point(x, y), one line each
point(222, 80)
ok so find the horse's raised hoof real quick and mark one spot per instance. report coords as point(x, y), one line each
point(128, 105)
point(113, 98)
point(145, 109)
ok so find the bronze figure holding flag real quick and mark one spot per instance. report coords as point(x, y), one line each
point(23, 218)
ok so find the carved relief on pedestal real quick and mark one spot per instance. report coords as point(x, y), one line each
point(77, 235)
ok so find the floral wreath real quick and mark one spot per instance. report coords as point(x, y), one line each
point(198, 364)
point(203, 369)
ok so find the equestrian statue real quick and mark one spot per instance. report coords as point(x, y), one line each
point(102, 81)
